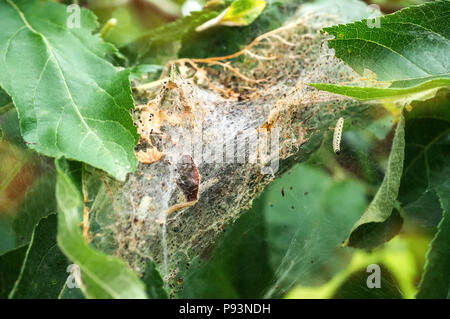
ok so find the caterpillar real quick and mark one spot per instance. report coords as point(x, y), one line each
point(338, 135)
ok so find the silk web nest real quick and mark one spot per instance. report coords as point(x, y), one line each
point(194, 176)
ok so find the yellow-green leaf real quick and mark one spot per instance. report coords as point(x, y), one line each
point(240, 13)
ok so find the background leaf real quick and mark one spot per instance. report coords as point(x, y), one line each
point(26, 187)
point(63, 88)
point(424, 191)
point(239, 13)
point(39, 202)
point(436, 278)
point(427, 152)
point(397, 276)
point(43, 273)
point(372, 93)
point(154, 285)
point(223, 40)
point(10, 266)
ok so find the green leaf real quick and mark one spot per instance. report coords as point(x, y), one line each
point(240, 13)
point(427, 151)
point(212, 42)
point(356, 287)
point(409, 49)
point(402, 47)
point(154, 285)
point(435, 282)
point(424, 191)
point(379, 223)
point(223, 40)
point(43, 272)
point(419, 91)
point(398, 274)
point(149, 43)
point(10, 266)
point(9, 122)
point(71, 101)
point(103, 276)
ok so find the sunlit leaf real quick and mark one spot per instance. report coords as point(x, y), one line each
point(71, 101)
point(240, 13)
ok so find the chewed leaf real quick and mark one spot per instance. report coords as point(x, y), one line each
point(240, 13)
point(378, 223)
point(71, 101)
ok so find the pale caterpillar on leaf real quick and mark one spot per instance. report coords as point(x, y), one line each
point(337, 136)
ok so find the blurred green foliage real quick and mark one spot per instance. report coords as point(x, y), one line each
point(290, 243)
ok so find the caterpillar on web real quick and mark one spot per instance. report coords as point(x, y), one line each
point(338, 135)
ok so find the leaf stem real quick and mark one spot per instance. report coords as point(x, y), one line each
point(107, 27)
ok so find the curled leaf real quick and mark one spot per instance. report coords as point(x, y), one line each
point(379, 223)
